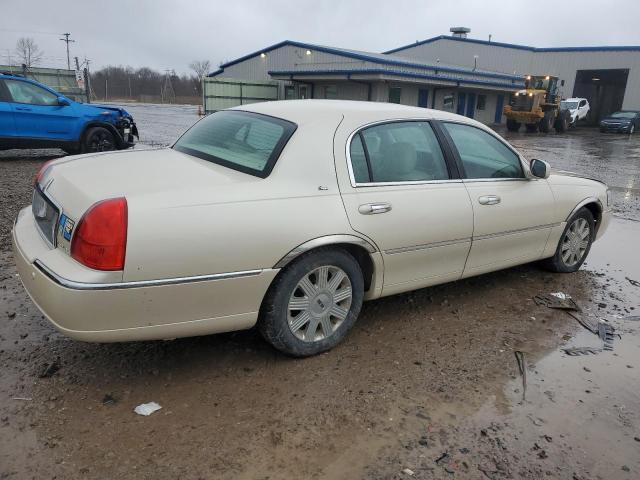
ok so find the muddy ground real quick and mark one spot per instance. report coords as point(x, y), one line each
point(426, 386)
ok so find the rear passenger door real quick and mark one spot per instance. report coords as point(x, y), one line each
point(512, 213)
point(403, 194)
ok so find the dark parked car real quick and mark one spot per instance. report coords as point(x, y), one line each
point(624, 121)
point(33, 115)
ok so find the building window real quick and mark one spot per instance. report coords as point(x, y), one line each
point(482, 102)
point(394, 94)
point(289, 92)
point(330, 92)
point(447, 102)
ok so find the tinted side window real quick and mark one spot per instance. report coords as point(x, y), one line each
point(4, 95)
point(482, 154)
point(23, 92)
point(359, 161)
point(400, 152)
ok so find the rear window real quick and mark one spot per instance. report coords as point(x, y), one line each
point(244, 141)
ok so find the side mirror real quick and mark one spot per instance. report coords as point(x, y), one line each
point(540, 168)
point(562, 83)
point(63, 102)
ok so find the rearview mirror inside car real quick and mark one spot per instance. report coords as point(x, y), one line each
point(539, 168)
point(63, 102)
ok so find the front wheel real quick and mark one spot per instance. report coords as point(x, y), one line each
point(574, 244)
point(313, 303)
point(512, 125)
point(546, 122)
point(98, 139)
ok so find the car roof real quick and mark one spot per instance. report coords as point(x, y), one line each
point(307, 111)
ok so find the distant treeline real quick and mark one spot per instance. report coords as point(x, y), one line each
point(144, 84)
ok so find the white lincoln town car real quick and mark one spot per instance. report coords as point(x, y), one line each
point(288, 215)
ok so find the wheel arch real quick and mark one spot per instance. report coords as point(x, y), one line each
point(594, 205)
point(359, 248)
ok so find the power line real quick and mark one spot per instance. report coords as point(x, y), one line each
point(67, 41)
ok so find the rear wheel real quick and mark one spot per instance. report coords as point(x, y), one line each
point(574, 244)
point(512, 125)
point(313, 303)
point(98, 139)
point(531, 127)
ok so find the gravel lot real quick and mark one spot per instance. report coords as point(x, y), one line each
point(427, 383)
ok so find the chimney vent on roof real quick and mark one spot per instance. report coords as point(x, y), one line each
point(460, 32)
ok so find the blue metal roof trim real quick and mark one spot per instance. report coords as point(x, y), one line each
point(357, 56)
point(514, 85)
point(622, 48)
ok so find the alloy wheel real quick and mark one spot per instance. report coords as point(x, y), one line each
point(100, 142)
point(575, 242)
point(319, 304)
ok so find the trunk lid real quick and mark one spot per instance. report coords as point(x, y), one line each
point(164, 177)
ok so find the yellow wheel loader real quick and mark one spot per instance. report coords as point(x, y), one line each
point(537, 106)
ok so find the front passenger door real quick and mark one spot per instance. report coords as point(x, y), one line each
point(512, 214)
point(37, 113)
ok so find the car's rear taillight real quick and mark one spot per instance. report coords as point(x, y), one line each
point(100, 239)
point(43, 169)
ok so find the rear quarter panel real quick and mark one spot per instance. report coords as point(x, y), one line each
point(239, 227)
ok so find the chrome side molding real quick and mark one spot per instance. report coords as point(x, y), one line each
point(73, 285)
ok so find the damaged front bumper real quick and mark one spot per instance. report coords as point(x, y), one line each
point(128, 132)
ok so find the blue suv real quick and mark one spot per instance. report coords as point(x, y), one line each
point(33, 115)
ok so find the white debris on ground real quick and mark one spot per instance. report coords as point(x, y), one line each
point(147, 409)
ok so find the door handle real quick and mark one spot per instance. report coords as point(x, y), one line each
point(374, 208)
point(489, 200)
point(26, 109)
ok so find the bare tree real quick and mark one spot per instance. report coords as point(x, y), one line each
point(28, 52)
point(201, 67)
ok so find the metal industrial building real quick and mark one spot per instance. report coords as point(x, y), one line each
point(468, 76)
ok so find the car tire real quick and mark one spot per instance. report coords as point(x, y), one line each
point(574, 244)
point(98, 139)
point(297, 313)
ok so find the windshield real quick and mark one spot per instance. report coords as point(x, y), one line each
point(568, 105)
point(623, 114)
point(244, 141)
point(538, 83)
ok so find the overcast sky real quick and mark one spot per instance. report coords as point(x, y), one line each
point(169, 34)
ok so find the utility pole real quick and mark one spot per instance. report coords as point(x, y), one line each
point(167, 93)
point(67, 40)
point(87, 75)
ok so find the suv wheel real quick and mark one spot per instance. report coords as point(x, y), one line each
point(313, 303)
point(574, 244)
point(98, 139)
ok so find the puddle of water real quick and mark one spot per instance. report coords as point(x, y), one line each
point(588, 406)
